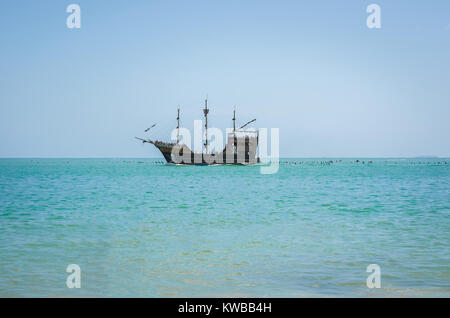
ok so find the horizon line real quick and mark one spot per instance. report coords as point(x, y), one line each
point(289, 157)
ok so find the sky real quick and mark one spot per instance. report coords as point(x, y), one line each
point(313, 69)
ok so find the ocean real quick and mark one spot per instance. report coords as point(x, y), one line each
point(140, 228)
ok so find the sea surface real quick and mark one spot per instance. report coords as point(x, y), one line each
point(140, 228)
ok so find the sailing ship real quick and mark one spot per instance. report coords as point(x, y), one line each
point(240, 148)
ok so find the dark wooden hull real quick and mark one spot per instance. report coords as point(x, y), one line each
point(246, 157)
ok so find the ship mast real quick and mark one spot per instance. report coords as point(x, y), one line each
point(205, 111)
point(178, 125)
point(234, 119)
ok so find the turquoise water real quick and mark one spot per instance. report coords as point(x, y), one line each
point(140, 228)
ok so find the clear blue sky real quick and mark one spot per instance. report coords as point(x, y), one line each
point(334, 87)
